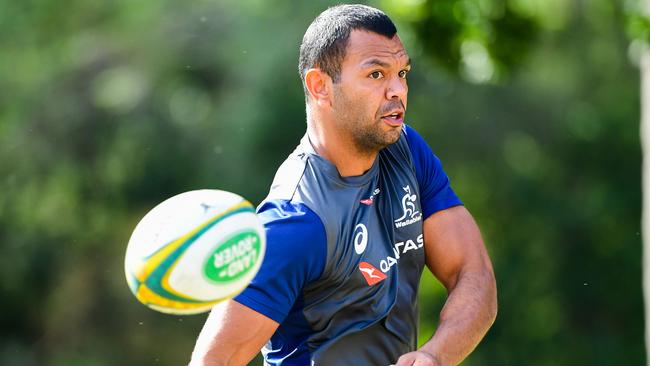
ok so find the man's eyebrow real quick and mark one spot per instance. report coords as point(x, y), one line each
point(374, 62)
point(378, 62)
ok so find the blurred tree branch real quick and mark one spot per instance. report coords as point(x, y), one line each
point(480, 40)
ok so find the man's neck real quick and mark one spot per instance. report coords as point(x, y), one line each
point(340, 150)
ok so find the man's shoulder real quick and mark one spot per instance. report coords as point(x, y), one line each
point(302, 181)
point(288, 218)
point(288, 176)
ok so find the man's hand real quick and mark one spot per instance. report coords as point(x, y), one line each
point(417, 358)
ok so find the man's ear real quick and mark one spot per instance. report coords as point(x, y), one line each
point(318, 84)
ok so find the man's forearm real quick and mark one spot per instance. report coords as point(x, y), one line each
point(468, 313)
point(232, 335)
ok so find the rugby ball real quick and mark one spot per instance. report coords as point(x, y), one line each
point(193, 251)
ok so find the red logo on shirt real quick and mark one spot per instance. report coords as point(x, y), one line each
point(368, 201)
point(370, 273)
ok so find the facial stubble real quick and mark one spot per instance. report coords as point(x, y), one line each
point(365, 131)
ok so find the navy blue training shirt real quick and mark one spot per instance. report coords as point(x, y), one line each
point(345, 254)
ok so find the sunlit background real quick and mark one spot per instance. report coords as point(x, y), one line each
point(109, 107)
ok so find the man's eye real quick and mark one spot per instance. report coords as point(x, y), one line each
point(403, 73)
point(376, 75)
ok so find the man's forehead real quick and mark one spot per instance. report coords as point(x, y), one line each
point(365, 45)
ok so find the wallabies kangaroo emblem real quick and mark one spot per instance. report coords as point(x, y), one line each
point(408, 204)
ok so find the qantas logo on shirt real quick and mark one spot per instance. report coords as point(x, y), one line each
point(371, 274)
point(400, 248)
point(370, 200)
point(374, 275)
point(410, 213)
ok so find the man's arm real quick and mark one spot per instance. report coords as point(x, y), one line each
point(456, 255)
point(232, 335)
point(236, 329)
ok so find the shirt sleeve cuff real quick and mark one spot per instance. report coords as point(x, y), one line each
point(448, 200)
point(263, 309)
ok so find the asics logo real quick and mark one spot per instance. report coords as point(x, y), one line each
point(360, 238)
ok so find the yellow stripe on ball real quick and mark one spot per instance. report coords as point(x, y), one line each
point(148, 266)
point(165, 280)
point(150, 298)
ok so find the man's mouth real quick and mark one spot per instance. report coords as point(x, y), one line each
point(394, 119)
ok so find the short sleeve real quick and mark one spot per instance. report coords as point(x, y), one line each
point(436, 193)
point(296, 248)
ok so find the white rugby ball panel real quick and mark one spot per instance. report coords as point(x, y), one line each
point(177, 216)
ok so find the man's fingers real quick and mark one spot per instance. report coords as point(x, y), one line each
point(405, 360)
point(416, 359)
point(423, 362)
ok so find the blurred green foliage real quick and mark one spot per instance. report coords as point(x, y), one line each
point(107, 108)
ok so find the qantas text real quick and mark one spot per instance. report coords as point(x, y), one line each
point(399, 249)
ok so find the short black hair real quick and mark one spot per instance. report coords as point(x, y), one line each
point(326, 39)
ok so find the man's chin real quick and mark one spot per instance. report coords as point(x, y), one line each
point(378, 139)
point(388, 139)
point(393, 135)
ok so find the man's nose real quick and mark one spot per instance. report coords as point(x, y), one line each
point(397, 89)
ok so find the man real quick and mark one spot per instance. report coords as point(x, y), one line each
point(353, 215)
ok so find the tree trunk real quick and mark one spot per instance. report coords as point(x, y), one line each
point(645, 220)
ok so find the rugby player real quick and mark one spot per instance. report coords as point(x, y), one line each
point(353, 216)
